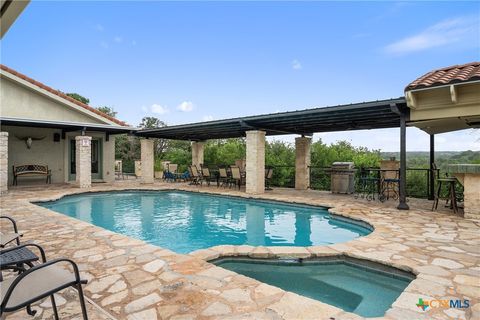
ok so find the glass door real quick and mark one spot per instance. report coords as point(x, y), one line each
point(96, 159)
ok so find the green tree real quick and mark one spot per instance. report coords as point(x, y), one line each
point(78, 97)
point(108, 111)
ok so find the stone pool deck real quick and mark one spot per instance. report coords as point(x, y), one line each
point(129, 279)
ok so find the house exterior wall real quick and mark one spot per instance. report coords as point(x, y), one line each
point(20, 101)
point(53, 154)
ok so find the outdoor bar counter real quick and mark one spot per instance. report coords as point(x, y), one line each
point(469, 176)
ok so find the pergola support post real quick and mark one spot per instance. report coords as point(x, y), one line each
point(197, 152)
point(147, 161)
point(402, 205)
point(431, 176)
point(255, 183)
point(302, 163)
point(83, 161)
point(3, 162)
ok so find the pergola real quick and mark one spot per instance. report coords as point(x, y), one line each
point(391, 113)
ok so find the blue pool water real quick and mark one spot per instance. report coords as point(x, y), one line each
point(186, 221)
point(366, 292)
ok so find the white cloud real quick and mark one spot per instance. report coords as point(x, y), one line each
point(158, 109)
point(207, 118)
point(104, 44)
point(446, 32)
point(118, 39)
point(185, 106)
point(296, 65)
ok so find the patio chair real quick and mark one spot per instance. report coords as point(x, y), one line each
point(268, 177)
point(197, 178)
point(236, 176)
point(37, 283)
point(207, 176)
point(171, 173)
point(6, 238)
point(223, 177)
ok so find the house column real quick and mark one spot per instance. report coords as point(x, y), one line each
point(431, 175)
point(146, 149)
point(3, 162)
point(302, 163)
point(197, 152)
point(402, 196)
point(83, 161)
point(255, 162)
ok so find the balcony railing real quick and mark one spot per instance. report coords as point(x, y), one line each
point(418, 179)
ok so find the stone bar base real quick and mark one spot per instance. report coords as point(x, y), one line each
point(471, 194)
point(255, 162)
point(302, 163)
point(83, 161)
point(197, 152)
point(3, 162)
point(147, 160)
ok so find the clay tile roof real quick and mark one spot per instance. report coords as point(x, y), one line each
point(449, 75)
point(61, 94)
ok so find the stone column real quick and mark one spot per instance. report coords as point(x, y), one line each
point(197, 152)
point(146, 147)
point(302, 163)
point(3, 162)
point(83, 161)
point(255, 162)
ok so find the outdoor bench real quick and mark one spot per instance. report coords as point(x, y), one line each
point(30, 170)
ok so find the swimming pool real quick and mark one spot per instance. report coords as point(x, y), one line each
point(345, 283)
point(187, 221)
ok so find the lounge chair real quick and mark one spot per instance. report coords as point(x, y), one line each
point(6, 238)
point(37, 283)
point(197, 178)
point(268, 177)
point(171, 173)
point(223, 177)
point(207, 176)
point(236, 176)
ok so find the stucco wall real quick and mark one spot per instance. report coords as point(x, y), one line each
point(53, 154)
point(19, 101)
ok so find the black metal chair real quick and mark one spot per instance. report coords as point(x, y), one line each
point(39, 282)
point(6, 238)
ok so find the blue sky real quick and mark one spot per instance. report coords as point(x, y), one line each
point(194, 61)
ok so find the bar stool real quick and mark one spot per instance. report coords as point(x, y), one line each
point(451, 195)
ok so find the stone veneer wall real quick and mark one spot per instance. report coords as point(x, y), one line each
point(147, 160)
point(197, 153)
point(3, 162)
point(471, 195)
point(302, 162)
point(255, 162)
point(83, 159)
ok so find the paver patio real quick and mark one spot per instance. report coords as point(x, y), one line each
point(130, 279)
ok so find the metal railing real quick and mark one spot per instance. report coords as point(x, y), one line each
point(418, 179)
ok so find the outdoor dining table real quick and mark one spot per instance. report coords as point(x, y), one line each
point(372, 185)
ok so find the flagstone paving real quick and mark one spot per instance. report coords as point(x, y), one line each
point(130, 279)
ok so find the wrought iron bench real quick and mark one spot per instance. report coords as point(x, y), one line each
point(30, 170)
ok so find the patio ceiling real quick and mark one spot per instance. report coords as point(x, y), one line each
point(366, 115)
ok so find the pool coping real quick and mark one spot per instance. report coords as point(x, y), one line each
point(270, 252)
